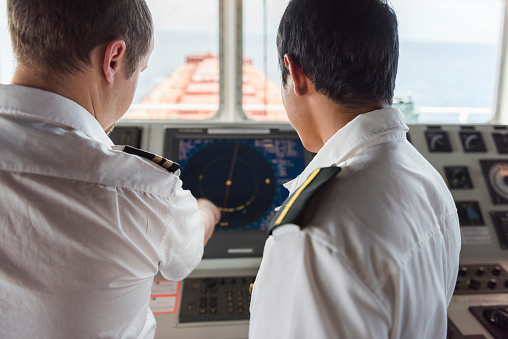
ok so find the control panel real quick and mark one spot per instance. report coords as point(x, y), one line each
point(473, 161)
point(481, 279)
point(216, 299)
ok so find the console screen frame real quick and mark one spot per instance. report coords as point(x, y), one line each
point(244, 243)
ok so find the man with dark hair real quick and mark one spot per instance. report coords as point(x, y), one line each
point(367, 244)
point(84, 225)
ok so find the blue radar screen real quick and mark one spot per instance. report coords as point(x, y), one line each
point(235, 176)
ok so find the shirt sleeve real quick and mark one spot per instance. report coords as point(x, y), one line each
point(182, 246)
point(305, 289)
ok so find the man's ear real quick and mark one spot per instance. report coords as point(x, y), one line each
point(299, 78)
point(113, 55)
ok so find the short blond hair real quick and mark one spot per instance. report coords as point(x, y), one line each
point(60, 35)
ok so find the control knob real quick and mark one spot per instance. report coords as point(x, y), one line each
point(492, 284)
point(480, 271)
point(463, 271)
point(474, 284)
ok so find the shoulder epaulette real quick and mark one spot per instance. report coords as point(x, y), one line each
point(167, 164)
point(292, 209)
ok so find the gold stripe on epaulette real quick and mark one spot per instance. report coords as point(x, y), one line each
point(167, 164)
point(297, 193)
point(157, 159)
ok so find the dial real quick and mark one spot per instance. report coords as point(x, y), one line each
point(498, 178)
point(495, 173)
point(438, 141)
point(472, 142)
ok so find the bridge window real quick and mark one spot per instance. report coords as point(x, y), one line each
point(448, 67)
point(260, 75)
point(449, 59)
point(182, 78)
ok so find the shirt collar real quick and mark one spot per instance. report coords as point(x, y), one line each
point(28, 101)
point(364, 131)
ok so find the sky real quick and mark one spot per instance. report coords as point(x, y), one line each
point(470, 21)
point(467, 21)
point(186, 15)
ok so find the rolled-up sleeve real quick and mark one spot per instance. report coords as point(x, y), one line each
point(182, 244)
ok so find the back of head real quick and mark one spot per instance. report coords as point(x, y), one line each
point(348, 48)
point(59, 35)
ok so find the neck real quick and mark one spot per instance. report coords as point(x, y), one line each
point(331, 117)
point(78, 87)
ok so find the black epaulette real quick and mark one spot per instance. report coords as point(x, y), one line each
point(292, 209)
point(167, 164)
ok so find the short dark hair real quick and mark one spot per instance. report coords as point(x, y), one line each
point(59, 35)
point(348, 48)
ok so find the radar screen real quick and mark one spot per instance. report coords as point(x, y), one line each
point(243, 177)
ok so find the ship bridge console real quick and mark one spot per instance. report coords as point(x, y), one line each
point(242, 167)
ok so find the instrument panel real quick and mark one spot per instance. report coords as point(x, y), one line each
point(473, 161)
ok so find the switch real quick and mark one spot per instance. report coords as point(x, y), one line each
point(474, 284)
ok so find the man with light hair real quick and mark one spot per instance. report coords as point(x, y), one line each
point(85, 225)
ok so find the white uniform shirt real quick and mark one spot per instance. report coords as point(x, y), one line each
point(83, 228)
point(379, 255)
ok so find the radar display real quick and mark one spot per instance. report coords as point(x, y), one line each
point(242, 177)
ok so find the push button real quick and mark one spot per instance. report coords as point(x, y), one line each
point(474, 284)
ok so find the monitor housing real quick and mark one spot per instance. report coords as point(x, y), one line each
point(241, 169)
